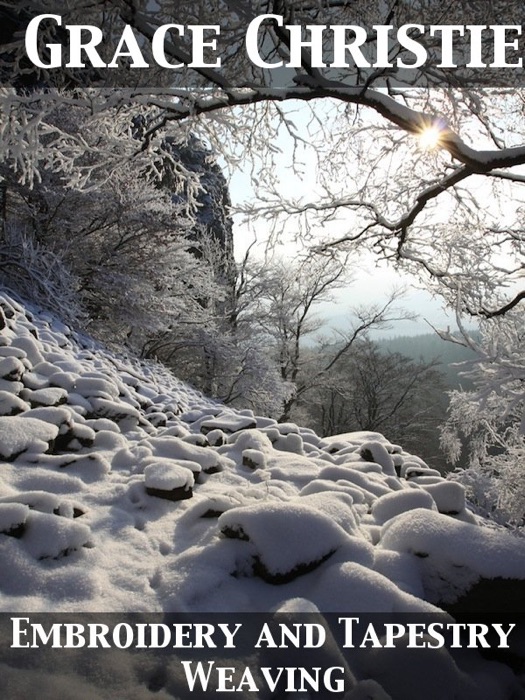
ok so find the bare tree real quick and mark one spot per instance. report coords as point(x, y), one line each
point(283, 310)
point(371, 389)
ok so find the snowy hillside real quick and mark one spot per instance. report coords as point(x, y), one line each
point(122, 489)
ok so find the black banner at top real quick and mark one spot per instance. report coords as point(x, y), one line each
point(236, 44)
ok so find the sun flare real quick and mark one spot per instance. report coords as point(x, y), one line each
point(429, 137)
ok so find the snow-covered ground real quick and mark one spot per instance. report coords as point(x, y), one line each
point(122, 489)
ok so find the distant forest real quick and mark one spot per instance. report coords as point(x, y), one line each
point(450, 361)
point(429, 346)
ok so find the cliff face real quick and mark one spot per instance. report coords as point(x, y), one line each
point(213, 223)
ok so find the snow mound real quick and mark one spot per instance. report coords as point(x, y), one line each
point(166, 476)
point(12, 518)
point(18, 435)
point(452, 554)
point(306, 537)
point(388, 506)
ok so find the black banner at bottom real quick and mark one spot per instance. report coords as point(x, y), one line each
point(354, 656)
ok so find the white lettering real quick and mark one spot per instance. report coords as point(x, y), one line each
point(18, 632)
point(155, 642)
point(266, 637)
point(503, 636)
point(271, 682)
point(128, 635)
point(252, 41)
point(77, 45)
point(476, 35)
point(38, 632)
point(247, 679)
point(447, 41)
point(97, 636)
point(393, 631)
point(341, 47)
point(414, 47)
point(74, 636)
point(383, 45)
point(477, 638)
point(198, 45)
point(336, 685)
point(501, 44)
point(191, 678)
point(349, 627)
point(31, 43)
point(315, 44)
point(440, 640)
point(133, 50)
point(229, 635)
point(159, 42)
point(370, 636)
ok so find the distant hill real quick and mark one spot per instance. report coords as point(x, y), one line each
point(430, 346)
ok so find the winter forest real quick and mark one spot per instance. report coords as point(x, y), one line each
point(177, 413)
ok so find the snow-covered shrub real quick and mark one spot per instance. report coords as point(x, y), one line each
point(495, 483)
point(38, 273)
point(491, 419)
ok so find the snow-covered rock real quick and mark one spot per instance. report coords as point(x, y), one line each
point(289, 539)
point(11, 404)
point(375, 451)
point(453, 555)
point(449, 496)
point(13, 517)
point(228, 422)
point(52, 537)
point(50, 396)
point(11, 369)
point(169, 480)
point(392, 504)
point(18, 435)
